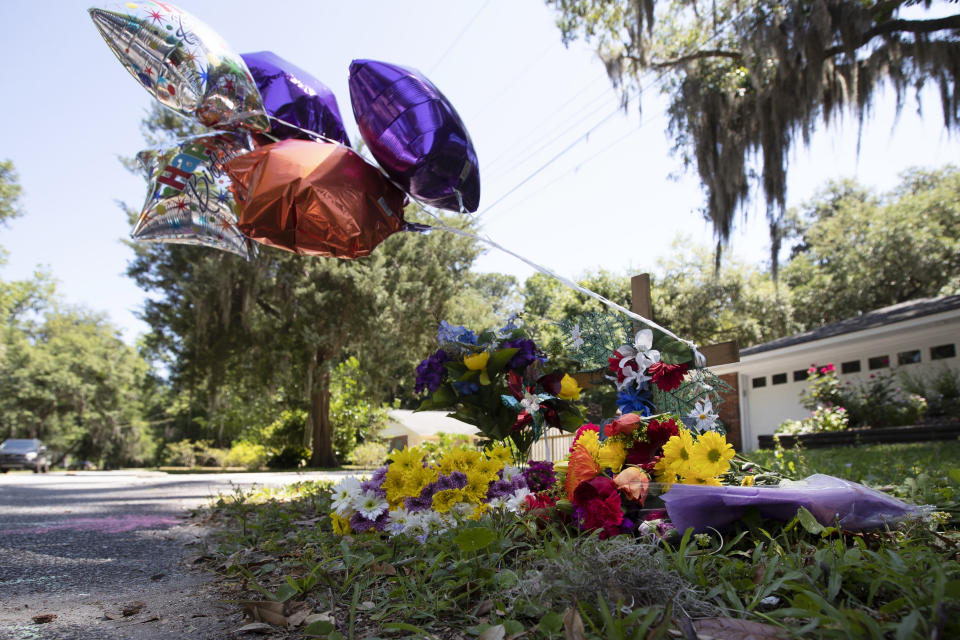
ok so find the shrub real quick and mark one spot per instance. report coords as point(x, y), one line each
point(941, 390)
point(290, 457)
point(875, 402)
point(445, 442)
point(369, 454)
point(247, 455)
point(208, 455)
point(822, 419)
point(180, 454)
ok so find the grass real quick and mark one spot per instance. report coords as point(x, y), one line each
point(504, 576)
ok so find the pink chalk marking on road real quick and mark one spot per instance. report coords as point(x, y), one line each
point(108, 524)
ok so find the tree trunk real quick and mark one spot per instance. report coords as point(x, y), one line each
point(322, 455)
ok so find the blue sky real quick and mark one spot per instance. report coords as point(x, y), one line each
point(70, 110)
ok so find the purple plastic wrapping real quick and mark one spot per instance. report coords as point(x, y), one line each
point(831, 500)
point(296, 97)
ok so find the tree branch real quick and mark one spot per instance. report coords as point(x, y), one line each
point(910, 26)
point(696, 55)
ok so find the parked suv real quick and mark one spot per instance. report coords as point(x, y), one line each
point(24, 454)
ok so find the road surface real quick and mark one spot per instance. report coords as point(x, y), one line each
point(86, 546)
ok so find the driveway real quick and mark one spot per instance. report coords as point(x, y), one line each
point(103, 554)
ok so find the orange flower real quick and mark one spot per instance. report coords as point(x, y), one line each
point(581, 467)
point(633, 482)
point(625, 424)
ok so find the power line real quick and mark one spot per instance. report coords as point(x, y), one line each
point(456, 40)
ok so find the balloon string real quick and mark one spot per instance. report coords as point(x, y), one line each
point(698, 357)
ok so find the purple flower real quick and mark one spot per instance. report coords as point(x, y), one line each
point(526, 355)
point(431, 372)
point(361, 524)
point(456, 480)
point(375, 483)
point(466, 388)
point(539, 476)
point(499, 489)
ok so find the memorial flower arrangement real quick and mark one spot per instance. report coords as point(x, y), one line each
point(412, 497)
point(500, 382)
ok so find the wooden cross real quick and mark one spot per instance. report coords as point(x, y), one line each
point(719, 353)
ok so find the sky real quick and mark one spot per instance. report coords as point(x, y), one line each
point(567, 180)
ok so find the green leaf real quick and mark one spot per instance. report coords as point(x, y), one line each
point(285, 592)
point(499, 359)
point(444, 397)
point(955, 475)
point(809, 522)
point(319, 628)
point(551, 623)
point(952, 589)
point(474, 538)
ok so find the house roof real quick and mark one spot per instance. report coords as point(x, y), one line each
point(428, 423)
point(879, 317)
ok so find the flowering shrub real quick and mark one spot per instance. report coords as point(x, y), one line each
point(822, 419)
point(824, 388)
point(875, 402)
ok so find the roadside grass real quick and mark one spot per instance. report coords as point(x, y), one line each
point(504, 575)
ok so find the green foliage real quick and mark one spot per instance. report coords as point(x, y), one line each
point(445, 442)
point(289, 457)
point(247, 455)
point(822, 419)
point(369, 454)
point(940, 388)
point(355, 418)
point(9, 192)
point(855, 251)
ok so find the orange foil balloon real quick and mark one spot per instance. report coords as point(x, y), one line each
point(315, 198)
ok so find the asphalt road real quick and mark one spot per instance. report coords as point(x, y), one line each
point(86, 546)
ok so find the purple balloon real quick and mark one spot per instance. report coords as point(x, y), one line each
point(415, 134)
point(294, 96)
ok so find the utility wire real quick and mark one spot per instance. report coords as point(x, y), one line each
point(456, 40)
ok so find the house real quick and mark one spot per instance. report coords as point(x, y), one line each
point(413, 428)
point(919, 335)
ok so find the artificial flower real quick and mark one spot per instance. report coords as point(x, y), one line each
point(569, 389)
point(667, 377)
point(576, 337)
point(712, 453)
point(632, 399)
point(702, 414)
point(476, 361)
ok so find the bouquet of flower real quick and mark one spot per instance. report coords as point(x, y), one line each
point(500, 382)
point(411, 497)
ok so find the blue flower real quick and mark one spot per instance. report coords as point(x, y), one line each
point(631, 399)
point(466, 388)
point(448, 333)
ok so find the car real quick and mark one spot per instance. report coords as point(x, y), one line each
point(24, 454)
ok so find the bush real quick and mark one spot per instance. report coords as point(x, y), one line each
point(941, 390)
point(445, 442)
point(822, 419)
point(875, 402)
point(180, 454)
point(208, 455)
point(369, 454)
point(290, 457)
point(247, 455)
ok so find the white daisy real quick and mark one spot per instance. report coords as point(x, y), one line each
point(344, 494)
point(400, 519)
point(370, 505)
point(518, 500)
point(510, 472)
point(576, 337)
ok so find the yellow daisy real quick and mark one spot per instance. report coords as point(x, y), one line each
point(444, 500)
point(677, 452)
point(341, 525)
point(406, 460)
point(664, 473)
point(698, 479)
point(712, 454)
point(611, 454)
point(501, 454)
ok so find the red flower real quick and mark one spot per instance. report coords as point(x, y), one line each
point(523, 419)
point(542, 500)
point(641, 453)
point(597, 504)
point(585, 427)
point(659, 432)
point(667, 377)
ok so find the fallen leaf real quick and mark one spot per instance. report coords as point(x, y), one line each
point(320, 617)
point(112, 615)
point(484, 608)
point(737, 629)
point(573, 625)
point(254, 627)
point(266, 611)
point(366, 605)
point(384, 569)
point(44, 618)
point(496, 632)
point(634, 482)
point(152, 618)
point(132, 609)
point(297, 618)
